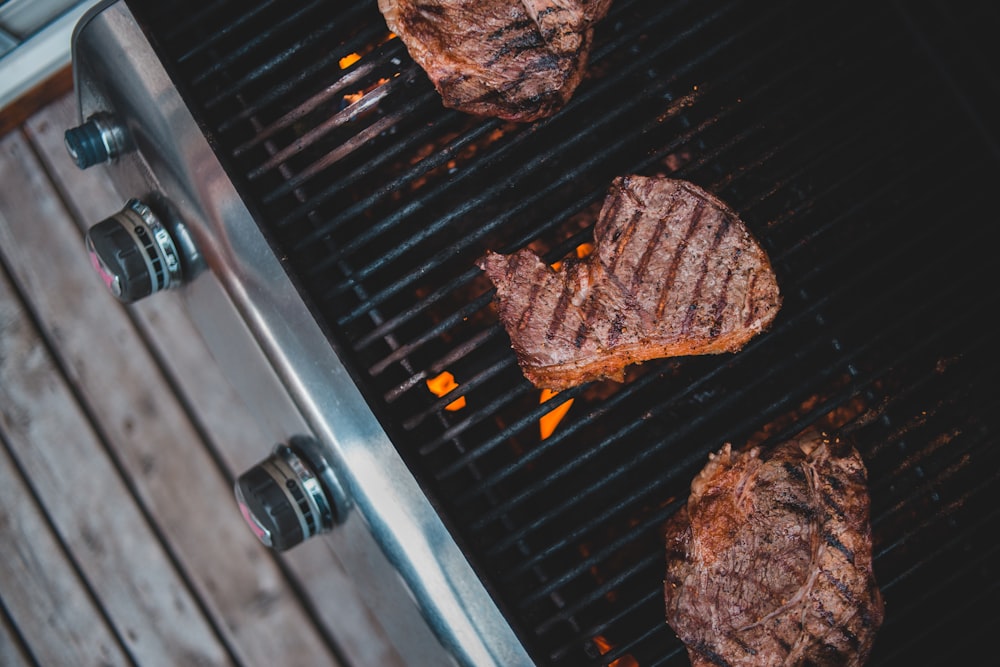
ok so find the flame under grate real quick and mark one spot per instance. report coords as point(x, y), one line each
point(853, 139)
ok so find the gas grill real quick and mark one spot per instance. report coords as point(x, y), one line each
point(321, 213)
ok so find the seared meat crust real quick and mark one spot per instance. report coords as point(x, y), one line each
point(674, 272)
point(770, 562)
point(513, 60)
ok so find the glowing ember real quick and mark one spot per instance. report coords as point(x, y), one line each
point(582, 251)
point(349, 60)
point(352, 98)
point(547, 424)
point(352, 58)
point(603, 645)
point(441, 385)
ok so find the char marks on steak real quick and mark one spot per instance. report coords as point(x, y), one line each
point(674, 272)
point(516, 60)
point(770, 561)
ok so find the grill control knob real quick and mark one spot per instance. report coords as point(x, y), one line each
point(134, 253)
point(97, 140)
point(290, 496)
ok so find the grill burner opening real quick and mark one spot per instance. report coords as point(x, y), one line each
point(856, 142)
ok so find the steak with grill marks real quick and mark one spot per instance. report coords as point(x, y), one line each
point(516, 60)
point(770, 561)
point(674, 272)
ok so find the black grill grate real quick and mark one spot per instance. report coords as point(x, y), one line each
point(857, 142)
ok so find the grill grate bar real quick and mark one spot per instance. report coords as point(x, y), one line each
point(652, 596)
point(888, 446)
point(927, 489)
point(351, 78)
point(201, 16)
point(252, 46)
point(943, 584)
point(335, 121)
point(457, 351)
point(511, 395)
point(456, 430)
point(620, 651)
point(417, 138)
point(285, 89)
point(393, 395)
point(501, 400)
point(664, 659)
point(562, 508)
point(270, 65)
point(436, 330)
point(650, 561)
point(584, 565)
point(940, 547)
point(528, 457)
point(955, 625)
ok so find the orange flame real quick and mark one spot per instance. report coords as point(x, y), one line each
point(352, 98)
point(582, 251)
point(547, 424)
point(603, 645)
point(441, 385)
point(349, 60)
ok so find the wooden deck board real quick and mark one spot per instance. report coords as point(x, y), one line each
point(53, 441)
point(39, 584)
point(135, 437)
point(12, 653)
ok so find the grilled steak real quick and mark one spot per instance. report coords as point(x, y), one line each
point(673, 272)
point(770, 562)
point(516, 60)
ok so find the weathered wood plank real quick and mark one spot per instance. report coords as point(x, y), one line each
point(338, 600)
point(153, 613)
point(160, 452)
point(11, 653)
point(45, 92)
point(55, 615)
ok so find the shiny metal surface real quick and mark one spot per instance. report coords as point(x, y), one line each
point(261, 332)
point(97, 140)
point(142, 238)
point(283, 498)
